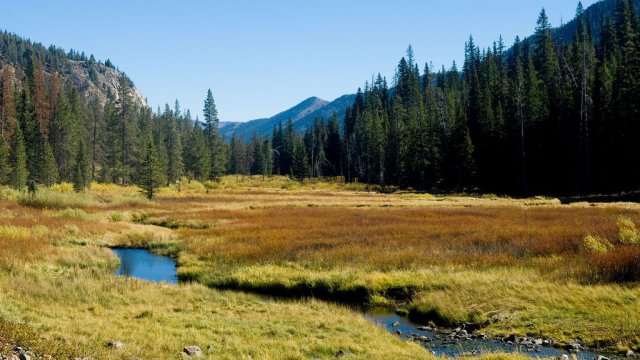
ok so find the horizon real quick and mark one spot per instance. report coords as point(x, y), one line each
point(293, 75)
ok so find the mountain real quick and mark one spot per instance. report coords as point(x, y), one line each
point(94, 80)
point(302, 116)
point(593, 16)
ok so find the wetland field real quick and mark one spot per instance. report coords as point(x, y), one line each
point(274, 268)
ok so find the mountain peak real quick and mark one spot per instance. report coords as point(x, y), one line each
point(301, 115)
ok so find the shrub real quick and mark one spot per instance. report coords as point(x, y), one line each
point(140, 217)
point(209, 185)
point(117, 216)
point(71, 229)
point(7, 193)
point(596, 245)
point(62, 187)
point(627, 232)
point(70, 213)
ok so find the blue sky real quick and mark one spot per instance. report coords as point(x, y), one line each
point(262, 56)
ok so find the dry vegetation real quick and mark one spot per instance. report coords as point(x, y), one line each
point(526, 267)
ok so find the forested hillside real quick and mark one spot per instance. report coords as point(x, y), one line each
point(68, 118)
point(548, 115)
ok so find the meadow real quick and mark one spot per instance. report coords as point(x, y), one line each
point(530, 267)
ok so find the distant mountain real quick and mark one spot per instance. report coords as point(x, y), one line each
point(302, 116)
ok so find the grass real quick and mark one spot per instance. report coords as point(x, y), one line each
point(64, 300)
point(516, 266)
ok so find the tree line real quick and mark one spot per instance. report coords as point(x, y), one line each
point(546, 116)
point(49, 134)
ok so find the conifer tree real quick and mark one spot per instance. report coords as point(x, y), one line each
point(81, 174)
point(267, 151)
point(174, 144)
point(333, 148)
point(215, 142)
point(7, 105)
point(150, 178)
point(5, 169)
point(300, 166)
point(198, 156)
point(18, 160)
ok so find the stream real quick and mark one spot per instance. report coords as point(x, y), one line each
point(142, 264)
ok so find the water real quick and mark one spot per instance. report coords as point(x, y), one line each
point(142, 264)
point(440, 345)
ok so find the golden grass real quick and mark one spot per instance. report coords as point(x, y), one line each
point(519, 264)
point(60, 298)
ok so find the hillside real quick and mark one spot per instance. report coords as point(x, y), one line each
point(593, 16)
point(302, 116)
point(93, 79)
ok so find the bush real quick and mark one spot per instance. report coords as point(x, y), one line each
point(72, 229)
point(117, 216)
point(627, 232)
point(140, 217)
point(70, 213)
point(62, 187)
point(209, 185)
point(596, 245)
point(7, 193)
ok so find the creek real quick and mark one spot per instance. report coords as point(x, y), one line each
point(143, 264)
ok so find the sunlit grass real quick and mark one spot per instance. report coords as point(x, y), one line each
point(63, 300)
point(518, 266)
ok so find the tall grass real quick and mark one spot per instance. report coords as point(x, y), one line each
point(50, 199)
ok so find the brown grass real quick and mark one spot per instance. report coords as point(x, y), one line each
point(391, 238)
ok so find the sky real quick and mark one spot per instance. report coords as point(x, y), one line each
point(260, 57)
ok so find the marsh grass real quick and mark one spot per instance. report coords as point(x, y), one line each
point(50, 199)
point(503, 263)
point(65, 302)
point(517, 266)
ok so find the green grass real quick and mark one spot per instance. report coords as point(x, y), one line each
point(49, 199)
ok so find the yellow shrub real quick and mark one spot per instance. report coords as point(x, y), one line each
point(596, 245)
point(627, 232)
point(62, 187)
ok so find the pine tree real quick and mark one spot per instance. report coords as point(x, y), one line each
point(333, 148)
point(151, 174)
point(18, 160)
point(81, 174)
point(258, 160)
point(7, 105)
point(215, 142)
point(47, 169)
point(267, 151)
point(174, 144)
point(5, 169)
point(300, 165)
point(197, 156)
